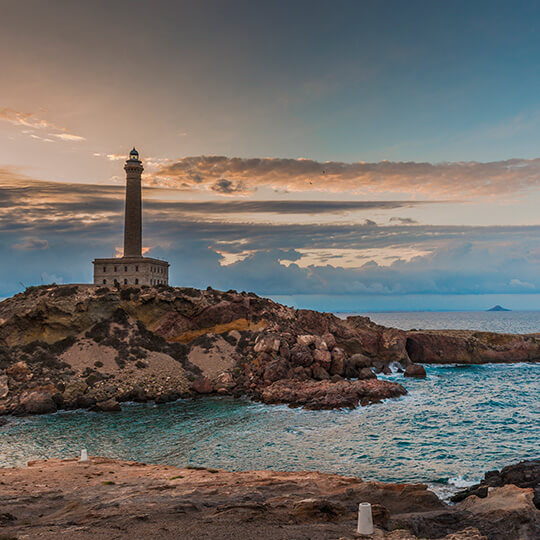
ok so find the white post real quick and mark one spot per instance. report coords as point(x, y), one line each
point(365, 519)
point(84, 455)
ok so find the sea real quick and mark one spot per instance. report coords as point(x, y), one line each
point(451, 428)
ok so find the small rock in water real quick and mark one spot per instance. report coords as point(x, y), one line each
point(415, 370)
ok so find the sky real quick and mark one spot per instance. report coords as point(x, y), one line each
point(348, 155)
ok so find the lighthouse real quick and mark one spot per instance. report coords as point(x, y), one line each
point(132, 269)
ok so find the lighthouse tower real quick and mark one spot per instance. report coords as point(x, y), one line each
point(132, 269)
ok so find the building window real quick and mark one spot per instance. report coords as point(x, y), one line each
point(125, 281)
point(104, 282)
point(115, 269)
point(125, 268)
point(104, 269)
point(136, 281)
point(136, 269)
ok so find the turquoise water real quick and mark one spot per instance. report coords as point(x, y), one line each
point(451, 428)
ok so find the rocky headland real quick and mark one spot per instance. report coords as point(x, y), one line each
point(82, 346)
point(106, 498)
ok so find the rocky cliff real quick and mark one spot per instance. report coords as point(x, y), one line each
point(75, 346)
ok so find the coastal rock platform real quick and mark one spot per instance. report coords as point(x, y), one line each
point(106, 498)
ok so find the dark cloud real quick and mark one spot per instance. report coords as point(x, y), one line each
point(452, 180)
point(226, 187)
point(404, 221)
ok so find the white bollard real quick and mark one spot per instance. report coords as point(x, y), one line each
point(84, 455)
point(365, 519)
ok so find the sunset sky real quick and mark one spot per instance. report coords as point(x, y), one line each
point(361, 155)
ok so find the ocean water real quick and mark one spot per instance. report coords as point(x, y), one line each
point(449, 430)
point(511, 322)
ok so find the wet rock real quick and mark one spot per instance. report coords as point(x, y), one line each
point(415, 370)
point(38, 403)
point(202, 385)
point(110, 405)
point(366, 373)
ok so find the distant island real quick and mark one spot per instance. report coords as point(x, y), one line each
point(498, 308)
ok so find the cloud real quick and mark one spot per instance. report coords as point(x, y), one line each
point(68, 137)
point(35, 121)
point(31, 243)
point(206, 246)
point(451, 180)
point(226, 187)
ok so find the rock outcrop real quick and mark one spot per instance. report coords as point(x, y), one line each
point(103, 498)
point(525, 474)
point(75, 346)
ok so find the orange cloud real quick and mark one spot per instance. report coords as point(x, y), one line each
point(34, 121)
point(227, 175)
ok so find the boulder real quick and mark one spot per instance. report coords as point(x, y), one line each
point(72, 392)
point(415, 370)
point(366, 373)
point(324, 358)
point(37, 403)
point(337, 366)
point(330, 340)
point(355, 363)
point(305, 340)
point(319, 373)
point(301, 355)
point(19, 371)
point(267, 343)
point(202, 386)
point(276, 370)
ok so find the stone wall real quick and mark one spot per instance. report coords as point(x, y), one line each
point(131, 271)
